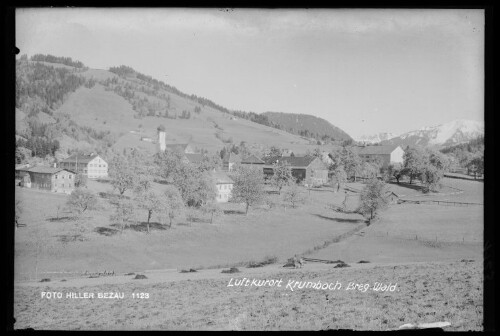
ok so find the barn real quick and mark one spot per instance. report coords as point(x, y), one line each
point(308, 169)
point(49, 178)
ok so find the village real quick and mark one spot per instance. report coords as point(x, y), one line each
point(249, 169)
point(310, 170)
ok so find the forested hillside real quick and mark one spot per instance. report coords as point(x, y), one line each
point(468, 155)
point(62, 106)
point(307, 126)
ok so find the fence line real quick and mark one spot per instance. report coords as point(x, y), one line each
point(444, 203)
point(422, 237)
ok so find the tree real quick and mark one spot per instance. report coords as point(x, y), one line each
point(209, 162)
point(430, 177)
point(22, 154)
point(273, 151)
point(81, 200)
point(124, 210)
point(372, 198)
point(340, 176)
point(161, 128)
point(149, 201)
point(80, 180)
point(293, 195)
point(173, 206)
point(122, 174)
point(351, 161)
point(476, 163)
point(395, 170)
point(369, 169)
point(195, 186)
point(248, 186)
point(413, 162)
point(18, 211)
point(282, 175)
point(213, 209)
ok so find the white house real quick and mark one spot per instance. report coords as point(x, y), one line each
point(91, 165)
point(385, 154)
point(224, 185)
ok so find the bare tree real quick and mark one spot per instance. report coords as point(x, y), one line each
point(81, 200)
point(293, 195)
point(124, 210)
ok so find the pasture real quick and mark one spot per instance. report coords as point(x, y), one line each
point(425, 293)
point(419, 232)
point(63, 243)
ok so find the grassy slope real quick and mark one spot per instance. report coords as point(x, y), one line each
point(104, 110)
point(392, 238)
point(233, 238)
point(425, 293)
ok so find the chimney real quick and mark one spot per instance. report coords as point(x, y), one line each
point(55, 165)
point(161, 140)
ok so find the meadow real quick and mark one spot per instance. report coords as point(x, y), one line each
point(419, 232)
point(60, 242)
point(438, 275)
point(424, 293)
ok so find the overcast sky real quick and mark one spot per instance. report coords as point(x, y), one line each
point(365, 71)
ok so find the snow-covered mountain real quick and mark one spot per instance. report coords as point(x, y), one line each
point(452, 133)
point(376, 137)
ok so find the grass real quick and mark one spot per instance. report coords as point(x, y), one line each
point(232, 239)
point(424, 293)
point(104, 110)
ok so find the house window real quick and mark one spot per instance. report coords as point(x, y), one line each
point(70, 177)
point(56, 177)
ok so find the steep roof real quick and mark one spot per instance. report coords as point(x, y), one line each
point(81, 158)
point(293, 161)
point(251, 159)
point(177, 147)
point(194, 157)
point(222, 178)
point(231, 158)
point(374, 150)
point(46, 170)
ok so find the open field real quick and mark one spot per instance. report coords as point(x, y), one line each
point(425, 292)
point(415, 232)
point(438, 275)
point(452, 190)
point(232, 238)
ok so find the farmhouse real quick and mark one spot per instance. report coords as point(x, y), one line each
point(49, 178)
point(91, 165)
point(193, 158)
point(183, 148)
point(385, 154)
point(224, 185)
point(231, 159)
point(309, 169)
point(251, 159)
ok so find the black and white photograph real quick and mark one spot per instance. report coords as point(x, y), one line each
point(249, 169)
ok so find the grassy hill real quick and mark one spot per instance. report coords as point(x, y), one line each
point(106, 106)
point(128, 106)
point(307, 125)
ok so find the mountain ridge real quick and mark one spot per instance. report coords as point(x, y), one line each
point(451, 133)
